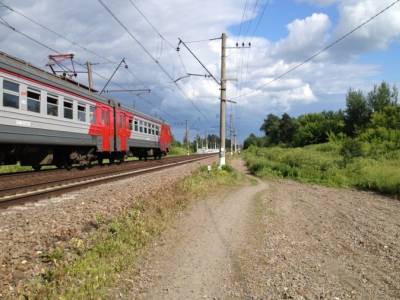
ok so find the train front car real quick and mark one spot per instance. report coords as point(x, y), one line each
point(149, 136)
point(47, 120)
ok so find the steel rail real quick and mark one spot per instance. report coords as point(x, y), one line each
point(39, 193)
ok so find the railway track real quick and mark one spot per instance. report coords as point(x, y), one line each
point(23, 188)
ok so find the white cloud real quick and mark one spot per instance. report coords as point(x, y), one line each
point(89, 24)
point(305, 37)
point(319, 2)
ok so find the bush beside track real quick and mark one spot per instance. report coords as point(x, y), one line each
point(343, 163)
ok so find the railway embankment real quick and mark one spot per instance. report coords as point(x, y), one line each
point(60, 242)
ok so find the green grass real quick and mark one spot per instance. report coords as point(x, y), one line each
point(376, 169)
point(97, 264)
point(177, 151)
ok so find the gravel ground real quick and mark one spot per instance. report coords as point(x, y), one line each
point(30, 231)
point(275, 240)
point(324, 243)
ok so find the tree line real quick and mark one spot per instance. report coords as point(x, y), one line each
point(378, 111)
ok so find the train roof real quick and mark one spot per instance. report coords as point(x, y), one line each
point(26, 69)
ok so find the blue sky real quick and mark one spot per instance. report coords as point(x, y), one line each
point(290, 31)
point(279, 13)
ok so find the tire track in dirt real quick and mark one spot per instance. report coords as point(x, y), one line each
point(276, 240)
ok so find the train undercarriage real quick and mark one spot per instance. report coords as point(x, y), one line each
point(66, 157)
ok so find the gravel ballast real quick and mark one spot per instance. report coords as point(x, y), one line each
point(29, 232)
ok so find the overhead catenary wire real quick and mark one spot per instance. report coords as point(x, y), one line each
point(72, 42)
point(147, 101)
point(148, 53)
point(326, 48)
point(77, 62)
point(151, 24)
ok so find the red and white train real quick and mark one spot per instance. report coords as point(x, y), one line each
point(48, 120)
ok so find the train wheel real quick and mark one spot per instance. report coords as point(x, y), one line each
point(36, 167)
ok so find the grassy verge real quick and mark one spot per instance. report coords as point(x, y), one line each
point(95, 267)
point(327, 165)
point(177, 151)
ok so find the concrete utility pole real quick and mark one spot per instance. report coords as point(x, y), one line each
point(231, 131)
point(187, 138)
point(90, 75)
point(223, 102)
point(235, 142)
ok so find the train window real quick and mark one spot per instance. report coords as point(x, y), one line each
point(131, 124)
point(136, 126)
point(52, 105)
point(68, 110)
point(141, 126)
point(145, 127)
point(33, 100)
point(153, 132)
point(10, 94)
point(105, 120)
point(82, 112)
point(92, 113)
point(157, 130)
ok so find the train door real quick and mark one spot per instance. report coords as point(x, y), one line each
point(102, 127)
point(123, 132)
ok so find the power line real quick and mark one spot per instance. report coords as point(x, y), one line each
point(72, 42)
point(79, 63)
point(162, 68)
point(147, 101)
point(243, 16)
point(251, 22)
point(162, 37)
point(323, 49)
point(267, 3)
point(151, 24)
point(54, 32)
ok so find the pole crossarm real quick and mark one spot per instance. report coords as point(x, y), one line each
point(128, 91)
point(191, 74)
point(112, 75)
point(200, 62)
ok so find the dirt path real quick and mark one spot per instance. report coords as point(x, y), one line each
point(276, 240)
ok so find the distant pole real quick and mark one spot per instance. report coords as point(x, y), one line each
point(223, 102)
point(187, 138)
point(231, 131)
point(235, 142)
point(90, 75)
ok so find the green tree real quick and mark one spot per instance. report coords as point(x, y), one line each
point(287, 129)
point(271, 128)
point(315, 128)
point(357, 114)
point(388, 118)
point(382, 96)
point(253, 140)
